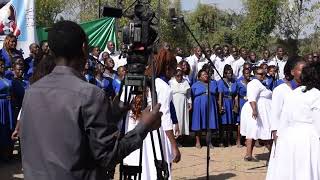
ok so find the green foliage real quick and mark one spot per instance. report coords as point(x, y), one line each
point(212, 25)
point(47, 11)
point(295, 16)
point(259, 22)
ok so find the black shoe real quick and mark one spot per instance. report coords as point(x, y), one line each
point(250, 159)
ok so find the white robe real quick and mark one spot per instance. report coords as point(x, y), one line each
point(229, 59)
point(219, 64)
point(179, 58)
point(181, 98)
point(297, 154)
point(149, 172)
point(278, 96)
point(280, 63)
point(256, 128)
point(119, 62)
point(193, 62)
point(237, 67)
point(196, 65)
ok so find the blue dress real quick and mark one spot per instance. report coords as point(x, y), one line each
point(200, 104)
point(242, 94)
point(228, 94)
point(6, 113)
point(116, 84)
point(279, 82)
point(8, 74)
point(106, 85)
point(89, 78)
point(18, 89)
point(28, 67)
point(270, 83)
point(5, 56)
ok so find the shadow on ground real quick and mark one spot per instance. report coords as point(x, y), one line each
point(263, 156)
point(11, 170)
point(221, 176)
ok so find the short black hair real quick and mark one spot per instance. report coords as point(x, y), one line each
point(227, 68)
point(272, 67)
point(310, 76)
point(66, 39)
point(292, 62)
point(42, 43)
point(257, 68)
point(30, 46)
point(200, 72)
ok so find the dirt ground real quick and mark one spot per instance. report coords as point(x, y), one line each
point(225, 163)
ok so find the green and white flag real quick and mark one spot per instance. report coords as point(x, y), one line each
point(99, 32)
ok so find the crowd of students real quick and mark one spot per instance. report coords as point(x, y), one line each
point(15, 72)
point(242, 87)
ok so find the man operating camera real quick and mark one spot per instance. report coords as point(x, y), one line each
point(68, 127)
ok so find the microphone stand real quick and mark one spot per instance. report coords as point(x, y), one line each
point(208, 136)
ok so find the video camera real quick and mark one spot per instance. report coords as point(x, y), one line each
point(139, 36)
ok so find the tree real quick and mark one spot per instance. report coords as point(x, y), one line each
point(295, 18)
point(47, 11)
point(259, 22)
point(212, 25)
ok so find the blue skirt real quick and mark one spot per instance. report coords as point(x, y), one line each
point(227, 118)
point(242, 101)
point(199, 115)
point(7, 124)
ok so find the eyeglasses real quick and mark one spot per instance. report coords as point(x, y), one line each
point(261, 74)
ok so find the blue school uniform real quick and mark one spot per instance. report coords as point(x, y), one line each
point(89, 78)
point(8, 74)
point(272, 83)
point(228, 93)
point(6, 113)
point(200, 104)
point(116, 84)
point(106, 85)
point(7, 60)
point(18, 88)
point(28, 67)
point(242, 94)
point(280, 81)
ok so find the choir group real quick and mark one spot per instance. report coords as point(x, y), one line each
point(247, 94)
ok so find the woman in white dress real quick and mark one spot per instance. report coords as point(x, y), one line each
point(255, 114)
point(165, 64)
point(297, 154)
point(181, 99)
point(292, 72)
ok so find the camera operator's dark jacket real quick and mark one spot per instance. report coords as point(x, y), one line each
point(68, 131)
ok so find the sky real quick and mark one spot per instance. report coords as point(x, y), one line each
point(235, 5)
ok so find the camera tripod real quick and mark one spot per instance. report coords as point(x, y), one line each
point(137, 85)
